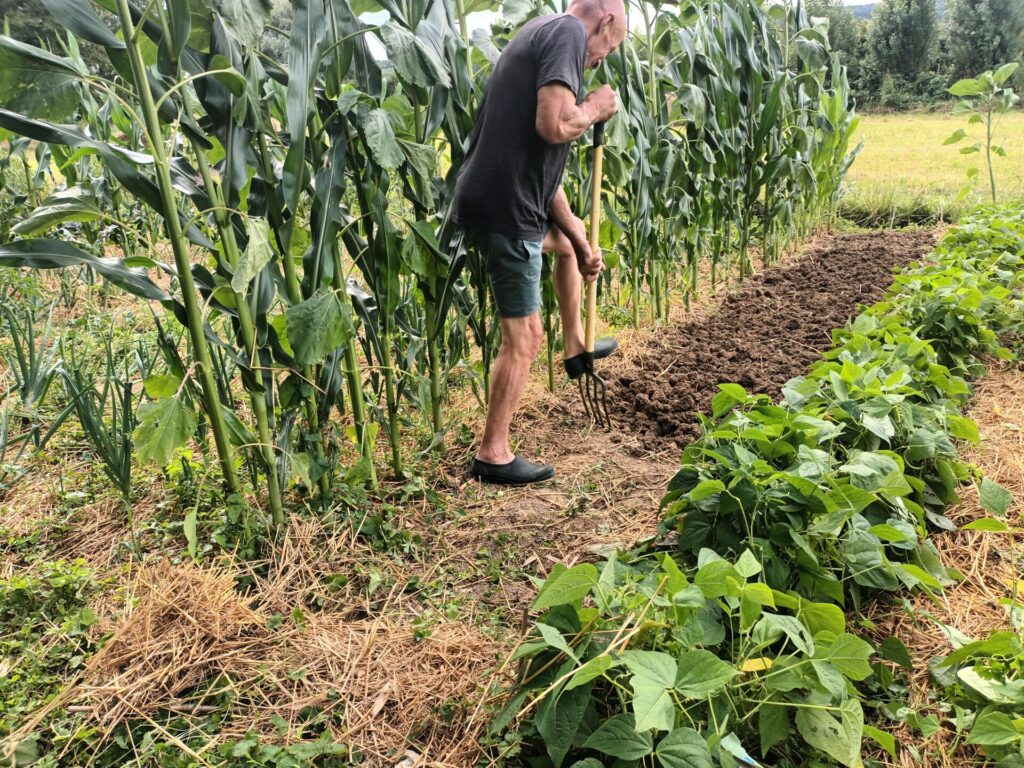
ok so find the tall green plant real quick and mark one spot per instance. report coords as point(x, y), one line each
point(984, 98)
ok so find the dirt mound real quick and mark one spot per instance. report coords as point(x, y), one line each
point(765, 333)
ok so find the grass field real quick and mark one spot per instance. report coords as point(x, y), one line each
point(905, 174)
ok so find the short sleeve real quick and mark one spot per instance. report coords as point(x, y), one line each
point(560, 47)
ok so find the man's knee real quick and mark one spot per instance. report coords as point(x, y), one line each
point(557, 243)
point(524, 335)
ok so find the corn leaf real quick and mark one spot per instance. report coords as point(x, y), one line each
point(36, 83)
point(43, 253)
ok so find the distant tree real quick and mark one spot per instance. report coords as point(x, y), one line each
point(843, 32)
point(275, 36)
point(983, 34)
point(30, 22)
point(902, 37)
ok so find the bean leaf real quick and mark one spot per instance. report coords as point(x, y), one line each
point(618, 737)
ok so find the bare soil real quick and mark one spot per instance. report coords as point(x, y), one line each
point(765, 333)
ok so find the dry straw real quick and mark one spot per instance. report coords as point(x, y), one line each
point(986, 561)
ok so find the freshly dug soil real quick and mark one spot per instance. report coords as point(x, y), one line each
point(767, 332)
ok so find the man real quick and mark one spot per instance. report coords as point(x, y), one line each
point(509, 198)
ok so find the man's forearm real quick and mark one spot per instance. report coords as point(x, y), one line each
point(562, 216)
point(575, 122)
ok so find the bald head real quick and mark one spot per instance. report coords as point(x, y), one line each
point(605, 22)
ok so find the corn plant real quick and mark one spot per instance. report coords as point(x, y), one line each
point(301, 207)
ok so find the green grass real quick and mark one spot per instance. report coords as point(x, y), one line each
point(905, 175)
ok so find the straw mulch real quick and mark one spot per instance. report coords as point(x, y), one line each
point(382, 686)
point(379, 688)
point(182, 625)
point(987, 561)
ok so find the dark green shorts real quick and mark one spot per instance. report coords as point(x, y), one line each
point(513, 268)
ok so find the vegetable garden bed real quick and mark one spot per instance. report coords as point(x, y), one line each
point(764, 334)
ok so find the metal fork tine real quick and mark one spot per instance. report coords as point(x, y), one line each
point(583, 397)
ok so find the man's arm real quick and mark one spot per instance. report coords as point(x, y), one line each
point(589, 262)
point(560, 120)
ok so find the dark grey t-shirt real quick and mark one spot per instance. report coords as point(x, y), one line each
point(510, 174)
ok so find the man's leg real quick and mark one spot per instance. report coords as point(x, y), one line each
point(568, 287)
point(521, 339)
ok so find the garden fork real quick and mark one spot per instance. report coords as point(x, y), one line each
point(593, 388)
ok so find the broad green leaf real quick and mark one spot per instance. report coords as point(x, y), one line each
point(718, 578)
point(246, 18)
point(161, 385)
point(771, 627)
point(164, 427)
point(35, 83)
point(849, 654)
point(416, 61)
point(705, 489)
point(654, 675)
point(958, 135)
point(554, 639)
point(257, 254)
point(422, 161)
point(839, 738)
point(1004, 73)
point(994, 498)
point(380, 138)
point(558, 719)
point(822, 616)
point(75, 204)
point(652, 705)
point(729, 395)
point(656, 666)
point(566, 587)
point(618, 737)
point(318, 326)
point(893, 649)
point(701, 673)
point(885, 740)
point(876, 472)
point(189, 529)
point(683, 748)
point(967, 87)
point(963, 428)
point(26, 752)
point(988, 525)
point(78, 17)
point(43, 253)
point(772, 725)
point(592, 670)
point(992, 729)
point(747, 565)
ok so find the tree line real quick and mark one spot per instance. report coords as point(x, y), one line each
point(908, 52)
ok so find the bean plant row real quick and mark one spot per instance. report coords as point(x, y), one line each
point(731, 639)
point(288, 221)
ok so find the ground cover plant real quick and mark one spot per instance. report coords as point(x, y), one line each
point(724, 642)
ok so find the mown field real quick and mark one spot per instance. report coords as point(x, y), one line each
point(905, 174)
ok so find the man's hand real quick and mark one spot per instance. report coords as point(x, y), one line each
point(590, 263)
point(602, 104)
